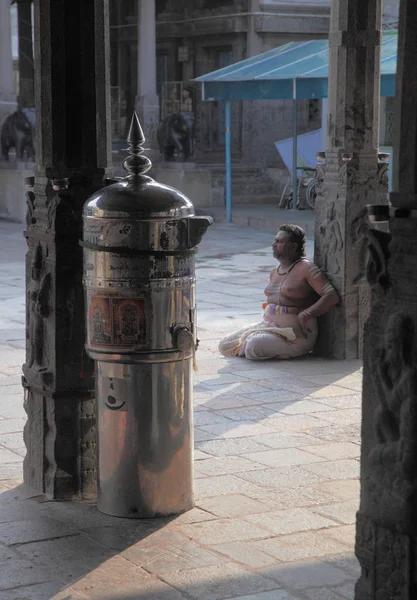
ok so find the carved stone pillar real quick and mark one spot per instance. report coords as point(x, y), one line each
point(73, 154)
point(26, 67)
point(147, 102)
point(7, 89)
point(386, 539)
point(351, 176)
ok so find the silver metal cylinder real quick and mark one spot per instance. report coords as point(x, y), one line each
point(145, 446)
point(138, 241)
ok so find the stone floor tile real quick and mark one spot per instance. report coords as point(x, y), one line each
point(294, 422)
point(315, 366)
point(11, 470)
point(7, 553)
point(304, 575)
point(10, 389)
point(232, 446)
point(127, 582)
point(13, 411)
point(283, 458)
point(53, 590)
point(344, 512)
point(42, 528)
point(195, 515)
point(10, 484)
point(230, 389)
point(167, 553)
point(300, 407)
point(227, 401)
point(286, 439)
point(293, 520)
point(345, 416)
point(225, 465)
point(329, 391)
point(21, 572)
point(335, 469)
point(12, 440)
point(67, 593)
point(333, 433)
point(223, 530)
point(8, 456)
point(335, 451)
point(323, 594)
point(275, 397)
point(247, 413)
point(202, 436)
point(81, 516)
point(218, 582)
point(225, 484)
point(344, 534)
point(335, 378)
point(350, 401)
point(208, 380)
point(11, 426)
point(233, 505)
point(281, 477)
point(348, 562)
point(199, 455)
point(65, 553)
point(347, 590)
point(289, 384)
point(298, 497)
point(236, 429)
point(208, 417)
point(299, 546)
point(272, 595)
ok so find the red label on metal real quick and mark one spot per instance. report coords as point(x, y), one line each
point(115, 321)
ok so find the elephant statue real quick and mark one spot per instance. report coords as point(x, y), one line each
point(175, 135)
point(17, 132)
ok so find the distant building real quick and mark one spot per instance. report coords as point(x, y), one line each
point(194, 37)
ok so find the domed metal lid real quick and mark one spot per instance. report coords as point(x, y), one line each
point(138, 196)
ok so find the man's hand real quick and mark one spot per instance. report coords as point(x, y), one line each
point(303, 319)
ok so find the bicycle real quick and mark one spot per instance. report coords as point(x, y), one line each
point(309, 183)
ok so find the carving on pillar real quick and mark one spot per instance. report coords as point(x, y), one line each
point(385, 557)
point(30, 207)
point(392, 459)
point(38, 310)
point(332, 241)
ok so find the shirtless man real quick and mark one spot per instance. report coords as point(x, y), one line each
point(297, 294)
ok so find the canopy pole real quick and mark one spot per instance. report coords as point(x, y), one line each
point(228, 162)
point(294, 144)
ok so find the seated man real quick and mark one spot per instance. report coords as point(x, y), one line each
point(297, 293)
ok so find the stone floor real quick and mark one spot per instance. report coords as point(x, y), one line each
point(277, 447)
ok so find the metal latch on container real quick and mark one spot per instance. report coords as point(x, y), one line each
point(183, 338)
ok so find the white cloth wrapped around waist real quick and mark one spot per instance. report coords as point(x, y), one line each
point(232, 343)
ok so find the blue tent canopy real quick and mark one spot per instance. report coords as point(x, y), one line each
point(295, 70)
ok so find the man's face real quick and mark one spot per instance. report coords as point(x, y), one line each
point(282, 247)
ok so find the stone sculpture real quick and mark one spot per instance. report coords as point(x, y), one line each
point(17, 132)
point(175, 135)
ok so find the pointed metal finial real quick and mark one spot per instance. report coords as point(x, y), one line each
point(135, 163)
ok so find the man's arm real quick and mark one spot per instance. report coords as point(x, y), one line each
point(321, 285)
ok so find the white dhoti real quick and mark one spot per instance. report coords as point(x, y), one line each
point(264, 340)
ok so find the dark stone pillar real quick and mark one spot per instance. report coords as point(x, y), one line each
point(386, 539)
point(26, 67)
point(351, 175)
point(73, 154)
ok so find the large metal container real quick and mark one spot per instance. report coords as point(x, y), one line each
point(139, 281)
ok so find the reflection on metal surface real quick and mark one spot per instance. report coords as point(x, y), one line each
point(138, 242)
